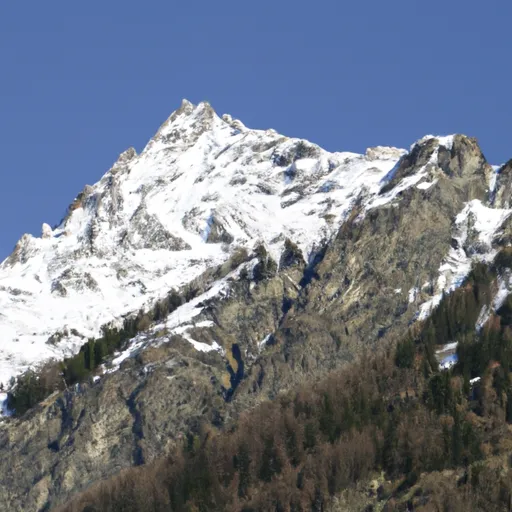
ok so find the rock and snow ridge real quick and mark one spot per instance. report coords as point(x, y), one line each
point(485, 222)
point(201, 187)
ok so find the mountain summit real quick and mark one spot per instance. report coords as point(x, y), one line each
point(202, 186)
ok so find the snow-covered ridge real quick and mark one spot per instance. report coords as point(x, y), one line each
point(202, 186)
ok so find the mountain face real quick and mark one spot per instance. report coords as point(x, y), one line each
point(155, 221)
point(288, 261)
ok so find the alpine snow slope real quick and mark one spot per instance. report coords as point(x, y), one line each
point(201, 187)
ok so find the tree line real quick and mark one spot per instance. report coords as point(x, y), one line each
point(35, 385)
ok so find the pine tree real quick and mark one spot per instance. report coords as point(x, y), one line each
point(270, 463)
point(405, 352)
point(242, 462)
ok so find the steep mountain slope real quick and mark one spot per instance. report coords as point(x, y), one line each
point(343, 251)
point(160, 219)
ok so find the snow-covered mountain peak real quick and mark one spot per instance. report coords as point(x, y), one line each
point(202, 187)
point(184, 126)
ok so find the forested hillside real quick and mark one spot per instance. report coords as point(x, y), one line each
point(392, 431)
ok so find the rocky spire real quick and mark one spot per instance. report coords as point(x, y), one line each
point(46, 231)
point(185, 125)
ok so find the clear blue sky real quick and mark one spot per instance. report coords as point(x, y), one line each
point(82, 81)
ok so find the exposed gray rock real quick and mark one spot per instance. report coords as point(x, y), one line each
point(291, 255)
point(96, 429)
point(77, 280)
point(410, 163)
point(217, 233)
point(463, 164)
point(59, 289)
point(464, 159)
point(383, 152)
point(202, 116)
point(23, 250)
point(79, 201)
point(124, 158)
point(297, 151)
point(503, 196)
point(148, 233)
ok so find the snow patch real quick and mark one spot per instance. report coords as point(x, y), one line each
point(449, 347)
point(504, 290)
point(133, 347)
point(263, 342)
point(482, 317)
point(487, 220)
point(203, 347)
point(494, 179)
point(457, 264)
point(448, 362)
point(4, 411)
point(447, 355)
point(445, 141)
point(405, 183)
point(413, 292)
point(425, 185)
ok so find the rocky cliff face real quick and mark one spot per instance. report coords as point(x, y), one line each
point(343, 251)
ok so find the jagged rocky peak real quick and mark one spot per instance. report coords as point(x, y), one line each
point(187, 124)
point(124, 158)
point(464, 158)
point(457, 155)
point(436, 158)
point(24, 249)
point(235, 123)
point(186, 108)
point(46, 231)
point(79, 200)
